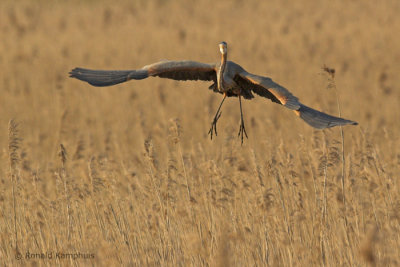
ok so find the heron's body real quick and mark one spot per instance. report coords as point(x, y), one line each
point(228, 78)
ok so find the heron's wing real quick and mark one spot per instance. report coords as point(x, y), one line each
point(107, 77)
point(265, 87)
point(182, 70)
point(177, 70)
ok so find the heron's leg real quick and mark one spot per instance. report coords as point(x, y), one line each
point(242, 129)
point(214, 122)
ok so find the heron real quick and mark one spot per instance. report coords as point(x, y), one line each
point(229, 79)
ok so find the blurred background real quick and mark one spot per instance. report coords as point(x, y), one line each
point(140, 149)
point(286, 41)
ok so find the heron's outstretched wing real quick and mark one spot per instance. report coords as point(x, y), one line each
point(267, 88)
point(177, 70)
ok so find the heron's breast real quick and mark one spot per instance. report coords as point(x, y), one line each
point(225, 80)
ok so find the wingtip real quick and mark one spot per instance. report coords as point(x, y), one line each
point(72, 73)
point(320, 120)
point(348, 122)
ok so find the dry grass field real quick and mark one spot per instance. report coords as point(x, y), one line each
point(126, 175)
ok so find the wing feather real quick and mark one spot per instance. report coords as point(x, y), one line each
point(265, 87)
point(320, 120)
point(107, 77)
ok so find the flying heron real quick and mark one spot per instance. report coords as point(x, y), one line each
point(228, 78)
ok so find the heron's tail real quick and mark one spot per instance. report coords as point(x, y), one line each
point(319, 119)
point(107, 77)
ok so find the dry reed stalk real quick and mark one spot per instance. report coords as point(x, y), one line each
point(278, 174)
point(13, 148)
point(80, 148)
point(148, 145)
point(332, 85)
point(96, 180)
point(324, 212)
point(325, 172)
point(257, 168)
point(63, 176)
point(175, 130)
point(211, 214)
point(13, 145)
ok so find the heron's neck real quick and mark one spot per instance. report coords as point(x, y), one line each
point(221, 71)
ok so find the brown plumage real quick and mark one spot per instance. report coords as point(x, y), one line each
point(228, 78)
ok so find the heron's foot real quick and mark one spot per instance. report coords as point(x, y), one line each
point(213, 128)
point(242, 130)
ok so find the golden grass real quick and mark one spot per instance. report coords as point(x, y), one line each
point(128, 176)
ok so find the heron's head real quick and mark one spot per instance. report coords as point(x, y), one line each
point(223, 47)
